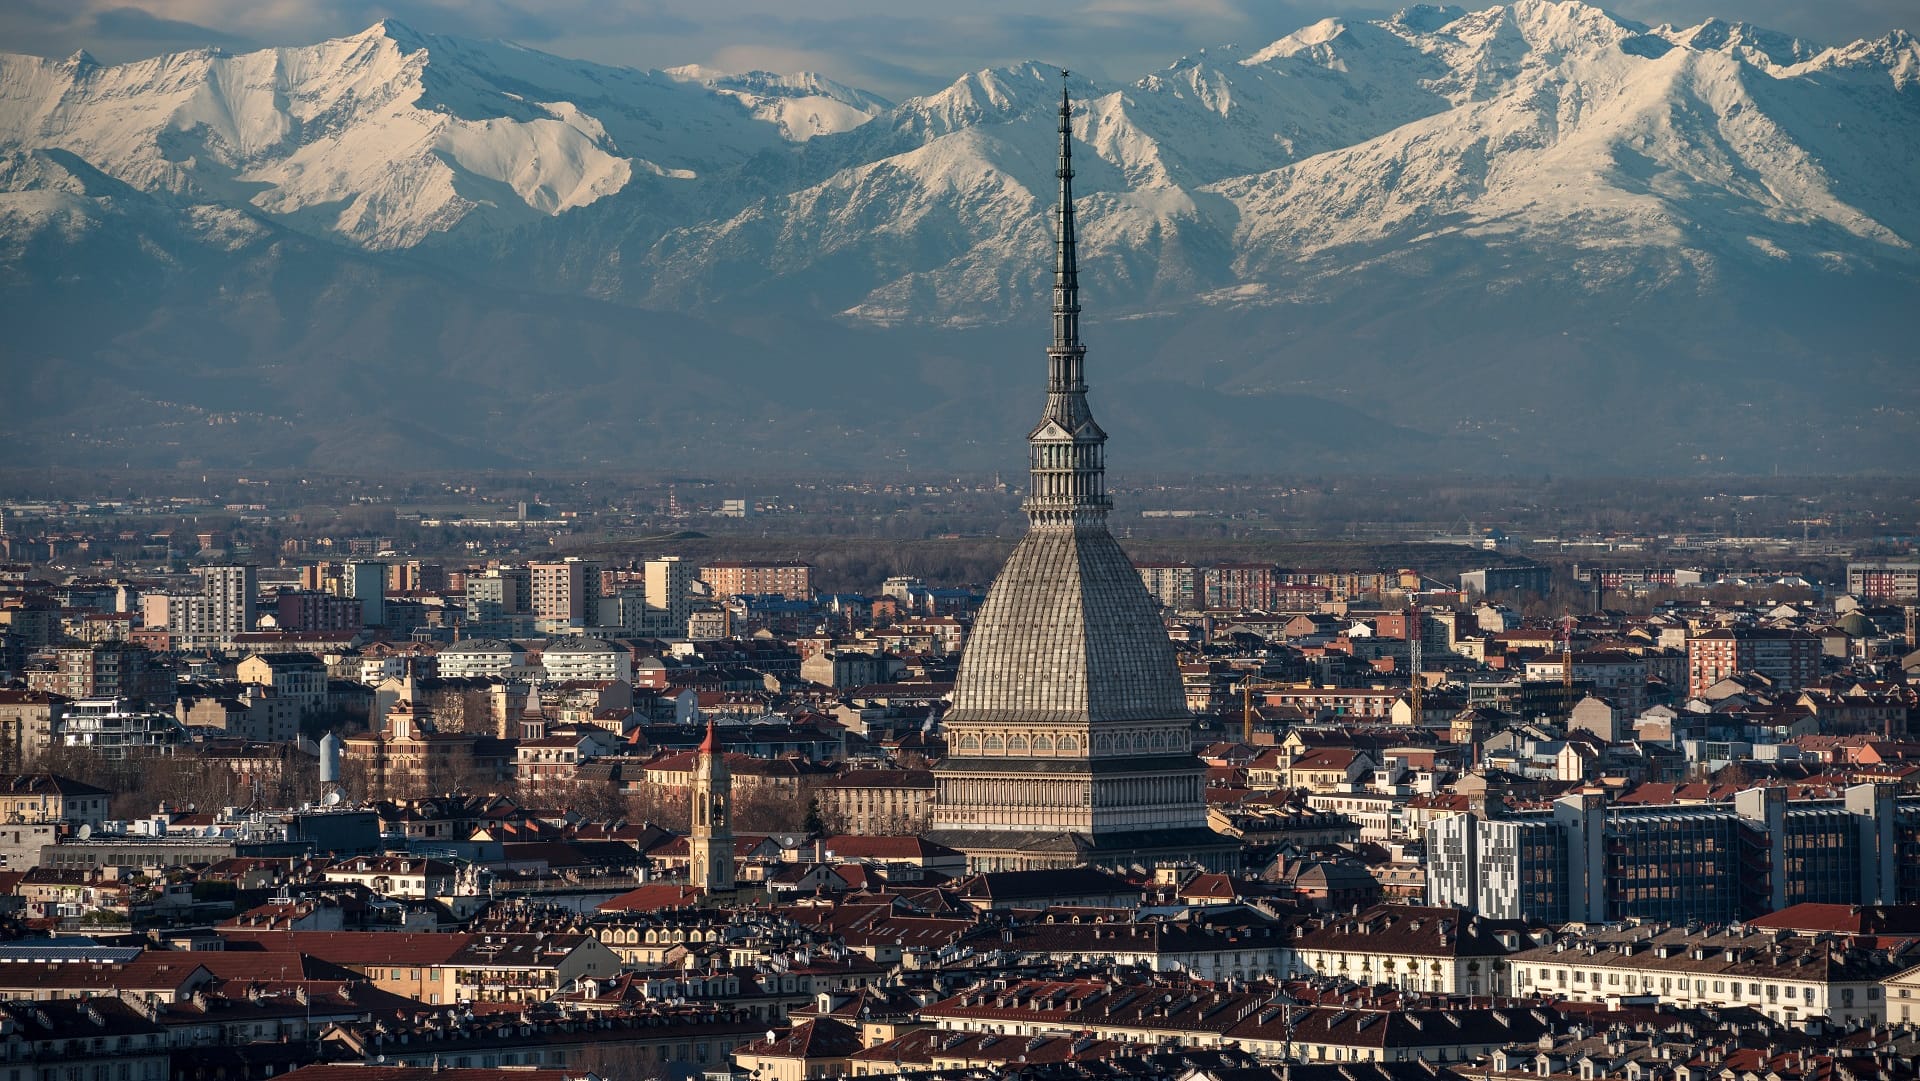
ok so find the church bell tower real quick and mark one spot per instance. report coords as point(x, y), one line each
point(712, 840)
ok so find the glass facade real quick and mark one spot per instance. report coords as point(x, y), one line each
point(1672, 865)
point(1585, 860)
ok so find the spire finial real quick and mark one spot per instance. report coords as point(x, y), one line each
point(1066, 269)
point(1065, 450)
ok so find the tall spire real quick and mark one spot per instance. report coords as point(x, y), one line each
point(1066, 456)
point(1066, 268)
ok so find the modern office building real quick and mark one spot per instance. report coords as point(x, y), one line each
point(1585, 860)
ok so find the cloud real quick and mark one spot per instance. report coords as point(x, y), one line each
point(893, 47)
point(1823, 24)
point(131, 24)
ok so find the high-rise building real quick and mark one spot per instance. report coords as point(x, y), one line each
point(498, 594)
point(183, 616)
point(416, 576)
point(566, 591)
point(1174, 585)
point(230, 593)
point(367, 583)
point(711, 837)
point(312, 610)
point(1069, 741)
point(670, 591)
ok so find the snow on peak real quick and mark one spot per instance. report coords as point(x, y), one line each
point(390, 29)
point(801, 105)
point(1895, 55)
point(1548, 118)
point(391, 136)
point(1312, 40)
point(989, 95)
point(1761, 47)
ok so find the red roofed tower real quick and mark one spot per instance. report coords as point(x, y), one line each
point(712, 840)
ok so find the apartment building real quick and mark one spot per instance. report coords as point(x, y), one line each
point(1788, 977)
point(1174, 585)
point(1789, 658)
point(565, 591)
point(733, 577)
point(1885, 580)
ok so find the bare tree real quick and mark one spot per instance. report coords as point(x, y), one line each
point(598, 801)
point(661, 805)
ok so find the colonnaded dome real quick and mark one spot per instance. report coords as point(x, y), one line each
point(1068, 635)
point(1069, 741)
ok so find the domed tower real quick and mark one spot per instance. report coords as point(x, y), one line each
point(1069, 741)
point(712, 837)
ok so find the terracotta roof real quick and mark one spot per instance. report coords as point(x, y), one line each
point(352, 948)
point(850, 846)
point(655, 895)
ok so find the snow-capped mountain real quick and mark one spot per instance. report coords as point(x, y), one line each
point(1534, 180)
point(391, 138)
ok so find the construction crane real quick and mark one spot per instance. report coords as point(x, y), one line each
point(1248, 685)
point(1566, 655)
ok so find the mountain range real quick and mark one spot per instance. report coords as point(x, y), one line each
point(1532, 237)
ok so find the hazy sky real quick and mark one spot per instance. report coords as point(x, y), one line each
point(895, 47)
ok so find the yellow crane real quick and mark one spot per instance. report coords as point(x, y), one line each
point(1248, 684)
point(1566, 657)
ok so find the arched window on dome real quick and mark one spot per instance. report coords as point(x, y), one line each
point(969, 743)
point(1043, 745)
point(1016, 745)
point(994, 745)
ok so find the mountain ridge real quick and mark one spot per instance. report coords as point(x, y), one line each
point(1546, 165)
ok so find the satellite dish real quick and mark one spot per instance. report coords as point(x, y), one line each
point(331, 799)
point(85, 831)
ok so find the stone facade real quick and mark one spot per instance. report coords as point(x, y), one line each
point(711, 842)
point(1069, 740)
